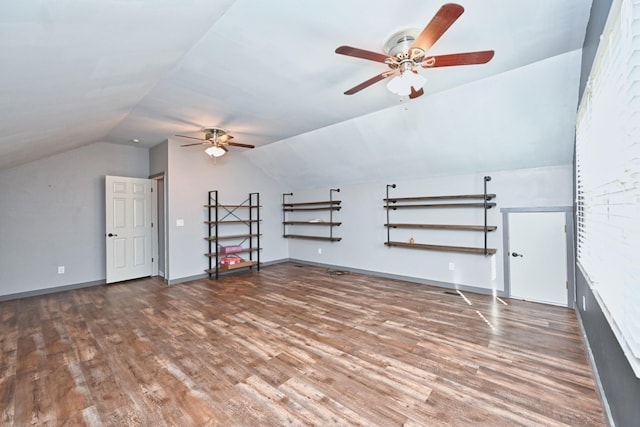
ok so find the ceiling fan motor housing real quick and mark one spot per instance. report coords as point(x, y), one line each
point(402, 56)
point(213, 133)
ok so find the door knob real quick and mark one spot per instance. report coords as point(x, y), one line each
point(112, 235)
point(515, 255)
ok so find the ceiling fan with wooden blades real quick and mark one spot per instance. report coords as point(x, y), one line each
point(406, 54)
point(217, 139)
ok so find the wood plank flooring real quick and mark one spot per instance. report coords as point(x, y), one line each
point(290, 345)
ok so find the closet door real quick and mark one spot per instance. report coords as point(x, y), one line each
point(538, 257)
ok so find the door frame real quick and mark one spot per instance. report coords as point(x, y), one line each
point(153, 256)
point(568, 214)
point(157, 232)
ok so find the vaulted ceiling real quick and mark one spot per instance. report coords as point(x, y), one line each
point(75, 72)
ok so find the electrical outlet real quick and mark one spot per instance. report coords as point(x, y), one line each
point(319, 251)
point(61, 269)
point(452, 266)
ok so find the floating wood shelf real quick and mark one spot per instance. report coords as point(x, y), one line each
point(233, 206)
point(237, 236)
point(323, 205)
point(441, 205)
point(244, 250)
point(333, 224)
point(441, 248)
point(425, 198)
point(302, 236)
point(327, 202)
point(443, 227)
point(234, 221)
point(326, 208)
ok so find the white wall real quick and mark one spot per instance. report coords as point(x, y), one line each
point(363, 232)
point(191, 174)
point(52, 214)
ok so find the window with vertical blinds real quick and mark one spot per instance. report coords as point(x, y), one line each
point(608, 177)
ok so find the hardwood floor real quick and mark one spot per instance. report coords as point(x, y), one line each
point(290, 345)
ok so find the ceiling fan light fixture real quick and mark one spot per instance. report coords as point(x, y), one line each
point(215, 151)
point(401, 85)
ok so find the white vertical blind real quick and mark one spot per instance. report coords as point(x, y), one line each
point(608, 177)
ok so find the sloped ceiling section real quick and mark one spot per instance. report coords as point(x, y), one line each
point(72, 70)
point(481, 126)
point(76, 71)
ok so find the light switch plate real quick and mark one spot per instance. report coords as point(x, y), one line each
point(179, 222)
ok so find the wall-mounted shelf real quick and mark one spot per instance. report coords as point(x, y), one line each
point(441, 248)
point(425, 198)
point(306, 237)
point(441, 202)
point(219, 215)
point(442, 205)
point(444, 227)
point(330, 206)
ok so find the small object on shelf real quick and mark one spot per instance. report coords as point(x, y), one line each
point(212, 237)
point(230, 249)
point(231, 260)
point(411, 241)
point(241, 264)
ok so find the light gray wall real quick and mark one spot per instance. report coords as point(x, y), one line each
point(52, 214)
point(158, 159)
point(191, 175)
point(363, 232)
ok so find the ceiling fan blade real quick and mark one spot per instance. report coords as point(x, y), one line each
point(191, 137)
point(416, 93)
point(237, 144)
point(468, 58)
point(361, 53)
point(443, 19)
point(197, 143)
point(367, 83)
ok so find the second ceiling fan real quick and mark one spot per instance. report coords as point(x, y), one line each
point(217, 139)
point(406, 54)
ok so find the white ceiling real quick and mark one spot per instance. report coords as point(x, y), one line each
point(74, 72)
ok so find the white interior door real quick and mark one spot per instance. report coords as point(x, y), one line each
point(538, 257)
point(128, 228)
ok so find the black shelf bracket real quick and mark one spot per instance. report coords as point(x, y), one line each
point(331, 191)
point(387, 209)
point(284, 218)
point(256, 203)
point(213, 243)
point(486, 206)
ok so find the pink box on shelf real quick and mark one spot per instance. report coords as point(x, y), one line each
point(230, 249)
